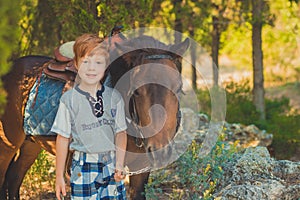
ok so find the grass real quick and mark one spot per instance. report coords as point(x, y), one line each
point(191, 176)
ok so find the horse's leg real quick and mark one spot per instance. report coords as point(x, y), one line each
point(137, 186)
point(20, 165)
point(11, 133)
point(49, 144)
point(8, 147)
point(136, 182)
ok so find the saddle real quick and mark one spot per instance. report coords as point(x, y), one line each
point(62, 66)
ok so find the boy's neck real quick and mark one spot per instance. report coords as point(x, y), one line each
point(91, 89)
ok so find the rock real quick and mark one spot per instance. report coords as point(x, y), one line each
point(195, 126)
point(189, 120)
point(251, 174)
point(198, 125)
point(255, 175)
point(249, 136)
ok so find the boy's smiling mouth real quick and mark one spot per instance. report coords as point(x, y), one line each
point(91, 75)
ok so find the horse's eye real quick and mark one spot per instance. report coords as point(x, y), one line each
point(136, 93)
point(179, 90)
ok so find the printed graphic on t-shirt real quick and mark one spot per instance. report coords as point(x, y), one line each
point(113, 112)
point(99, 123)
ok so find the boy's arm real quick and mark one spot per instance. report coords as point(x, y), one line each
point(62, 147)
point(121, 144)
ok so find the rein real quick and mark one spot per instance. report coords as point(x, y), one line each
point(135, 121)
point(140, 138)
point(158, 57)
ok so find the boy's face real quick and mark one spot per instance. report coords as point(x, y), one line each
point(91, 69)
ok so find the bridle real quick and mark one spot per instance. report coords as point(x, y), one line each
point(134, 122)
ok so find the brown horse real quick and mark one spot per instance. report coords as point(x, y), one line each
point(151, 107)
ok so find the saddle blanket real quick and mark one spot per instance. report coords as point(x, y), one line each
point(42, 106)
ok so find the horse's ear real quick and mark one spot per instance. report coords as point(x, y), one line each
point(122, 49)
point(181, 48)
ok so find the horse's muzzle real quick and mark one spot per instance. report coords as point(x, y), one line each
point(160, 157)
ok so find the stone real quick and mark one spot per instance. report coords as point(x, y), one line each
point(198, 125)
point(253, 174)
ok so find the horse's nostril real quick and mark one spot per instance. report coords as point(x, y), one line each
point(150, 149)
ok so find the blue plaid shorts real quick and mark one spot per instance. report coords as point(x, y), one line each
point(92, 177)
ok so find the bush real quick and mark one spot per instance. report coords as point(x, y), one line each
point(191, 176)
point(40, 177)
point(279, 121)
point(285, 128)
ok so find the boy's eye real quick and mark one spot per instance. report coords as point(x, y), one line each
point(99, 62)
point(85, 61)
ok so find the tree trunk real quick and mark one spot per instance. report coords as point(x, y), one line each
point(178, 24)
point(215, 49)
point(193, 60)
point(257, 57)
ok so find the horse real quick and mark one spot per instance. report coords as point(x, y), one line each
point(152, 111)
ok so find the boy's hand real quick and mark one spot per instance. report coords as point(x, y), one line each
point(60, 188)
point(119, 175)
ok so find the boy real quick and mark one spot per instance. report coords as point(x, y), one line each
point(91, 122)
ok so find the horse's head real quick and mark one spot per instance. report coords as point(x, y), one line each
point(151, 89)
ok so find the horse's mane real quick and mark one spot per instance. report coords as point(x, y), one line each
point(146, 43)
point(143, 46)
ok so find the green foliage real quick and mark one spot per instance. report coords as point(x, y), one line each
point(130, 14)
point(237, 40)
point(192, 176)
point(283, 124)
point(42, 171)
point(239, 104)
point(46, 24)
point(2, 99)
point(283, 34)
point(9, 13)
point(279, 41)
point(9, 33)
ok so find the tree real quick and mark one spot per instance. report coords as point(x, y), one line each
point(130, 14)
point(257, 13)
point(47, 23)
point(223, 13)
point(9, 34)
point(257, 57)
point(212, 17)
point(178, 24)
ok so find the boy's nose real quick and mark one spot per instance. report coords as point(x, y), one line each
point(91, 66)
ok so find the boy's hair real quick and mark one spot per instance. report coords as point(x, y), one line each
point(89, 44)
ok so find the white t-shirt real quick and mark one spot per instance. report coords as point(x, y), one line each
point(75, 119)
